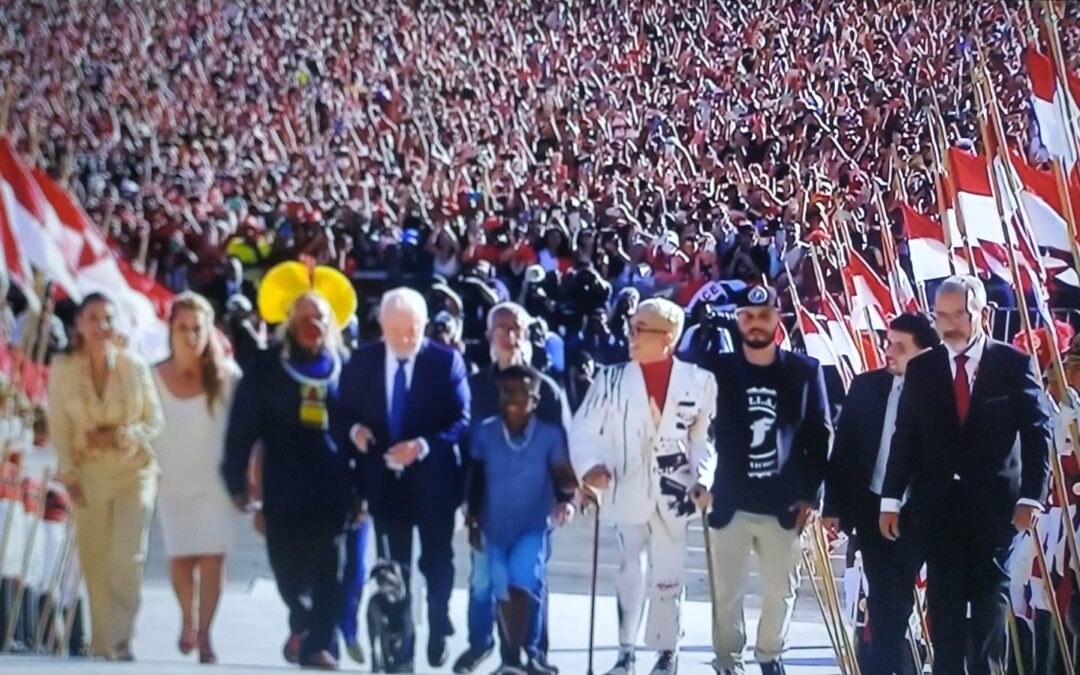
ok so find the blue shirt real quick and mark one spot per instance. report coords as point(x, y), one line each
point(519, 491)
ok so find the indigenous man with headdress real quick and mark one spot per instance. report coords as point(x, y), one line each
point(288, 399)
point(641, 439)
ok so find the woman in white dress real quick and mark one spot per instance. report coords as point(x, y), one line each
point(197, 516)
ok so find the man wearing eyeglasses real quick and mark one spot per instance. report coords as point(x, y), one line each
point(640, 440)
point(772, 435)
point(971, 442)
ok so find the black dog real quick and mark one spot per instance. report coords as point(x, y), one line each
point(389, 620)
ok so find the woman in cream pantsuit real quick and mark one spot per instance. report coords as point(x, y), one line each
point(103, 414)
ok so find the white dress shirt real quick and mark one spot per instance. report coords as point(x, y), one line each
point(887, 429)
point(974, 354)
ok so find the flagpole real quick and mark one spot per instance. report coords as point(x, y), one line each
point(1060, 391)
point(941, 199)
point(841, 367)
point(1051, 340)
point(1067, 207)
point(1051, 601)
point(941, 158)
point(888, 249)
point(1031, 24)
point(1021, 299)
point(923, 300)
point(847, 297)
point(817, 537)
point(990, 102)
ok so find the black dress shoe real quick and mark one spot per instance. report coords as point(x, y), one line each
point(436, 651)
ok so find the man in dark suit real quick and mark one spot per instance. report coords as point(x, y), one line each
point(853, 490)
point(971, 443)
point(406, 401)
point(772, 435)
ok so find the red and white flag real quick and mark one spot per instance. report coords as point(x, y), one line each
point(842, 334)
point(927, 248)
point(869, 294)
point(970, 181)
point(816, 339)
point(99, 272)
point(15, 262)
point(1049, 103)
point(33, 221)
point(1042, 204)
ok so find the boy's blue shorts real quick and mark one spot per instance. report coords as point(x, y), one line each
point(522, 564)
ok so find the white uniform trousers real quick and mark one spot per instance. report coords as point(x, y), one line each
point(662, 542)
point(778, 551)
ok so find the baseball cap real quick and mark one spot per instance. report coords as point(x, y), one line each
point(756, 296)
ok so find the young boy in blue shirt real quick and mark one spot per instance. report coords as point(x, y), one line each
point(517, 462)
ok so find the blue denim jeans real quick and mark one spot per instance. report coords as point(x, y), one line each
point(522, 564)
point(482, 604)
point(354, 578)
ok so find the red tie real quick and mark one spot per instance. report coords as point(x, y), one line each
point(962, 389)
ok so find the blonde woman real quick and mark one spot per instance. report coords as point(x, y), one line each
point(103, 415)
point(197, 516)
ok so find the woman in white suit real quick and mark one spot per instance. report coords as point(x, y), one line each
point(197, 383)
point(652, 472)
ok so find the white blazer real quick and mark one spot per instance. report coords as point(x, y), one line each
point(653, 465)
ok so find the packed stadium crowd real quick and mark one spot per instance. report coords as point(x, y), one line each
point(575, 159)
point(663, 144)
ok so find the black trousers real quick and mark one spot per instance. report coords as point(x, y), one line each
point(965, 565)
point(890, 568)
point(394, 528)
point(308, 559)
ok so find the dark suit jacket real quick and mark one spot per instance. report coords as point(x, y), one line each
point(1000, 453)
point(437, 410)
point(855, 450)
point(804, 433)
point(305, 472)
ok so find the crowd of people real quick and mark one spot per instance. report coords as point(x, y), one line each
point(582, 162)
point(533, 151)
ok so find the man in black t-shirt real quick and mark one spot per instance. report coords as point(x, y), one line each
point(772, 432)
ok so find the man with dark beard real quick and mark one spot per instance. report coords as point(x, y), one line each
point(772, 432)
